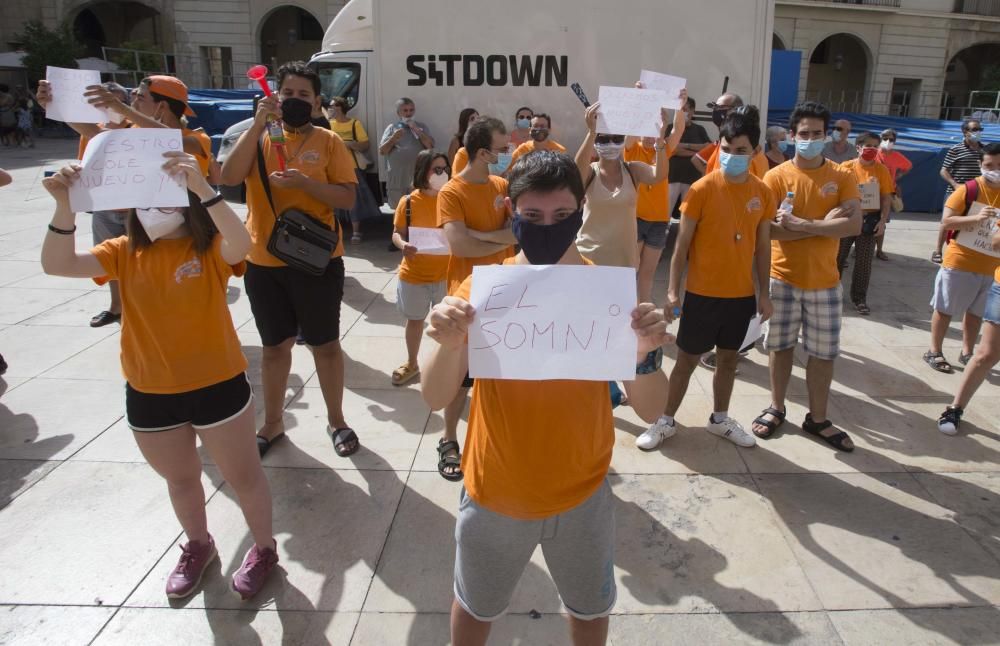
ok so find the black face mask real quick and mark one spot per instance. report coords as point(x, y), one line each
point(545, 244)
point(296, 112)
point(539, 134)
point(719, 116)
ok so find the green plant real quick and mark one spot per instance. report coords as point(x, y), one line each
point(43, 46)
point(149, 60)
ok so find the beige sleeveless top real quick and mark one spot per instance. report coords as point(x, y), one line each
point(608, 235)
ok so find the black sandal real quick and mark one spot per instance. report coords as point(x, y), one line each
point(836, 440)
point(937, 361)
point(445, 461)
point(264, 444)
point(771, 426)
point(105, 318)
point(863, 309)
point(341, 437)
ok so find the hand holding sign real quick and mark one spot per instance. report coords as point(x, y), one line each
point(558, 322)
point(66, 89)
point(630, 111)
point(978, 234)
point(123, 169)
point(450, 321)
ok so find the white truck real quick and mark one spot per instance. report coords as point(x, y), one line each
point(498, 56)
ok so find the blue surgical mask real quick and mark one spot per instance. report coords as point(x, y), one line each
point(733, 165)
point(975, 136)
point(809, 149)
point(836, 136)
point(524, 123)
point(501, 164)
point(783, 145)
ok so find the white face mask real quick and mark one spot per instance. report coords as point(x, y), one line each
point(159, 222)
point(609, 150)
point(436, 181)
point(887, 145)
point(991, 176)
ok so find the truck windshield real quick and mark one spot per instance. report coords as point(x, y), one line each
point(340, 79)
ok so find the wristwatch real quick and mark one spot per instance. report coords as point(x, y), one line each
point(652, 362)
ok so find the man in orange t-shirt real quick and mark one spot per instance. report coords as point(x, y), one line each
point(707, 159)
point(875, 184)
point(475, 218)
point(541, 129)
point(805, 282)
point(286, 301)
point(724, 234)
point(964, 281)
point(537, 452)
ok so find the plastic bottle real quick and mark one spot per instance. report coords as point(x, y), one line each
point(788, 203)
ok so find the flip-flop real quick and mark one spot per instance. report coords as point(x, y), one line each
point(105, 318)
point(342, 436)
point(264, 445)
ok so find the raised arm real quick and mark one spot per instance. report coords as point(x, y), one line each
point(241, 159)
point(59, 254)
point(586, 151)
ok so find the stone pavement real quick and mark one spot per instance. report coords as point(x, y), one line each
point(786, 543)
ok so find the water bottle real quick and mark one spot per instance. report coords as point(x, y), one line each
point(788, 203)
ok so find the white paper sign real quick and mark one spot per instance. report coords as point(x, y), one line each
point(553, 322)
point(428, 241)
point(979, 237)
point(68, 103)
point(122, 169)
point(870, 196)
point(672, 85)
point(754, 332)
point(630, 111)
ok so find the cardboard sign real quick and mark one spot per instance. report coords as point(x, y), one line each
point(979, 237)
point(870, 200)
point(630, 111)
point(428, 241)
point(538, 322)
point(123, 169)
point(672, 85)
point(68, 103)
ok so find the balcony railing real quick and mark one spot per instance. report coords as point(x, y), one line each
point(978, 7)
point(865, 3)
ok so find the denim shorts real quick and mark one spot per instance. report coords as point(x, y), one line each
point(992, 313)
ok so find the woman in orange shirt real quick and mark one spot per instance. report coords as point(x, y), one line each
point(185, 372)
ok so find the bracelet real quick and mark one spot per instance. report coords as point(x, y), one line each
point(212, 201)
point(652, 362)
point(65, 232)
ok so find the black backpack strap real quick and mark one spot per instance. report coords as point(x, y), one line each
point(354, 129)
point(408, 218)
point(262, 170)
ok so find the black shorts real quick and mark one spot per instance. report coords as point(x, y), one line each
point(287, 302)
point(203, 408)
point(708, 322)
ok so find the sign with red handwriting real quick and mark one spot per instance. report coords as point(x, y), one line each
point(538, 322)
point(123, 169)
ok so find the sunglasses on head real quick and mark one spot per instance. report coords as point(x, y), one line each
point(610, 139)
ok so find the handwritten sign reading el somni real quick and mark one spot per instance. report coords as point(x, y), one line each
point(553, 322)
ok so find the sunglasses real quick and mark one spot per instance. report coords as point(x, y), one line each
point(974, 130)
point(439, 169)
point(839, 129)
point(610, 139)
point(888, 139)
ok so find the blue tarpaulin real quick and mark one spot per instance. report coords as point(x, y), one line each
point(924, 141)
point(219, 109)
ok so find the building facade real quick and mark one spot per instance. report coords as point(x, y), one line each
point(917, 58)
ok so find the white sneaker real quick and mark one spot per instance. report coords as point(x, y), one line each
point(660, 430)
point(730, 429)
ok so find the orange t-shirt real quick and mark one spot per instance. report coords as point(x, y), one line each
point(873, 173)
point(177, 333)
point(531, 146)
point(651, 201)
point(324, 157)
point(481, 207)
point(460, 162)
point(421, 269)
point(710, 155)
point(719, 265)
point(810, 263)
point(962, 258)
point(205, 158)
point(535, 449)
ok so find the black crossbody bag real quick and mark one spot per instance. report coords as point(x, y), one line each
point(298, 239)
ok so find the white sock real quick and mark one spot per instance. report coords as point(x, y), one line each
point(667, 419)
point(719, 416)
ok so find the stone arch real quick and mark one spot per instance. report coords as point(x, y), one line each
point(288, 32)
point(839, 69)
point(972, 82)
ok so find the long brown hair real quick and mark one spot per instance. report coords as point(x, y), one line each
point(196, 218)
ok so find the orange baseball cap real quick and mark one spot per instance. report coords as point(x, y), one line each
point(171, 87)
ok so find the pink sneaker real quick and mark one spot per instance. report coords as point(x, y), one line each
point(186, 575)
point(257, 564)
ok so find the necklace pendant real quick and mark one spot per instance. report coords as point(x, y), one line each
point(739, 236)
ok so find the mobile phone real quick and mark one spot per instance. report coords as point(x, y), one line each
point(580, 94)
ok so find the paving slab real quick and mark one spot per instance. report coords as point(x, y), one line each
point(51, 625)
point(31, 350)
point(919, 627)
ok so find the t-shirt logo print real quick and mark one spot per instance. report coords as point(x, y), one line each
point(830, 188)
point(310, 157)
point(190, 269)
point(754, 204)
point(498, 202)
